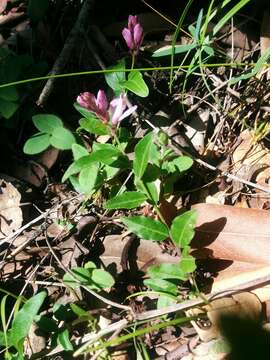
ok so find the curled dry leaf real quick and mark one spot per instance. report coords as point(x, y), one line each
point(251, 161)
point(133, 253)
point(244, 304)
point(230, 233)
point(234, 245)
point(10, 211)
point(34, 172)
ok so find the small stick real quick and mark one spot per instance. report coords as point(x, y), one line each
point(66, 51)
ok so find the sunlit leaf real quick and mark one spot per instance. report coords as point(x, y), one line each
point(62, 138)
point(146, 228)
point(142, 152)
point(36, 144)
point(47, 122)
point(136, 84)
point(182, 228)
point(94, 126)
point(25, 317)
point(127, 200)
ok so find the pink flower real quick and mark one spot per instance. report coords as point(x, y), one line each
point(133, 34)
point(98, 105)
point(118, 110)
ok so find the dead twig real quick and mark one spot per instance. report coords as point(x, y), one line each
point(63, 57)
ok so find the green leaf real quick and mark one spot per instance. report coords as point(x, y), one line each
point(142, 152)
point(157, 284)
point(166, 271)
point(188, 264)
point(47, 122)
point(37, 9)
point(88, 177)
point(62, 138)
point(182, 163)
point(209, 51)
point(83, 111)
point(146, 228)
point(80, 312)
point(36, 144)
point(8, 108)
point(115, 79)
point(78, 151)
point(25, 317)
point(198, 25)
point(165, 301)
point(63, 339)
point(9, 93)
point(103, 279)
point(260, 63)
point(91, 277)
point(182, 228)
point(178, 49)
point(2, 339)
point(149, 188)
point(94, 126)
point(82, 276)
point(136, 84)
point(228, 15)
point(77, 166)
point(127, 200)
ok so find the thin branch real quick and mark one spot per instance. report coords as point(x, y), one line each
point(63, 57)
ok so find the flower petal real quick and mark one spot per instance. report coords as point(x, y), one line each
point(118, 106)
point(102, 102)
point(128, 38)
point(132, 21)
point(128, 112)
point(87, 100)
point(138, 32)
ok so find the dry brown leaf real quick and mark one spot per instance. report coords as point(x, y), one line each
point(10, 211)
point(244, 304)
point(141, 253)
point(251, 162)
point(230, 233)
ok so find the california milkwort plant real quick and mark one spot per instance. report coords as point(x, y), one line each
point(153, 169)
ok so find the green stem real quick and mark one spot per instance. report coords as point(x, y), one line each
point(109, 71)
point(143, 331)
point(133, 60)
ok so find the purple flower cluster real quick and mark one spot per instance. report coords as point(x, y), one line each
point(133, 34)
point(115, 111)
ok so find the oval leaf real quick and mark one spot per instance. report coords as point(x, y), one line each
point(94, 126)
point(166, 271)
point(182, 228)
point(88, 177)
point(36, 144)
point(182, 163)
point(128, 200)
point(142, 152)
point(103, 279)
point(62, 138)
point(47, 122)
point(146, 228)
point(25, 317)
point(116, 78)
point(136, 84)
point(79, 151)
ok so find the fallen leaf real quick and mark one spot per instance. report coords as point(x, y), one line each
point(230, 233)
point(10, 211)
point(140, 253)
